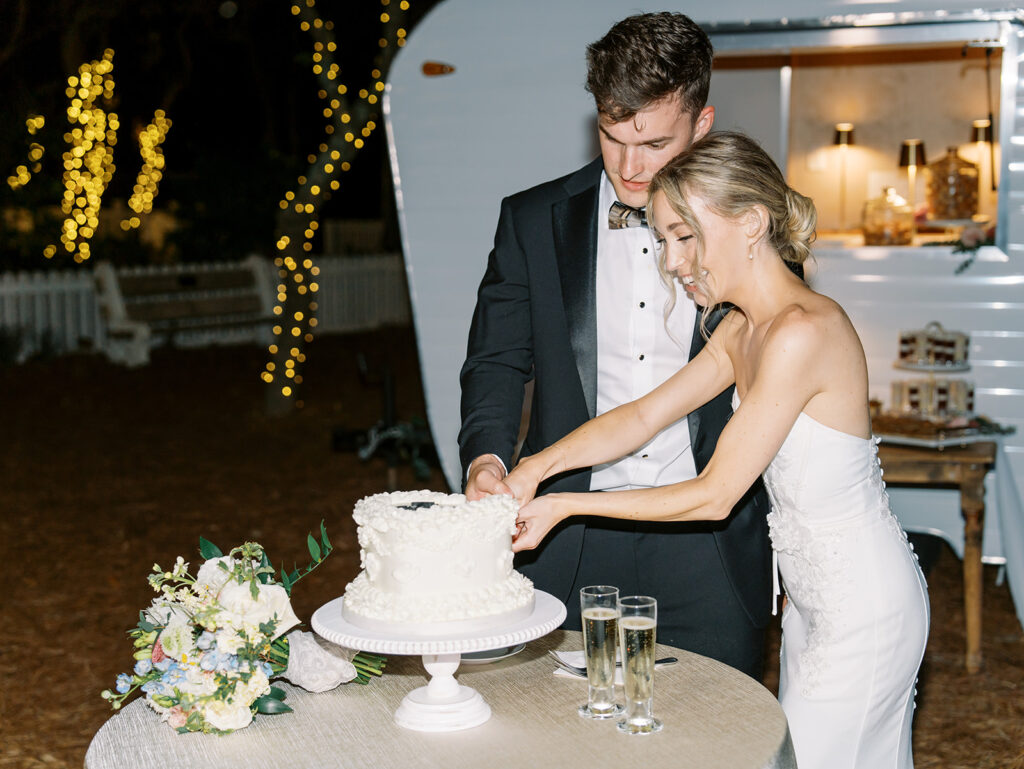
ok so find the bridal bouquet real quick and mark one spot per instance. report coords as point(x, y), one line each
point(208, 645)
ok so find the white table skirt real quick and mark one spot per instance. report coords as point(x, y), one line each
point(714, 717)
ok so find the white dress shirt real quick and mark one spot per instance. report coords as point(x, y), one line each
point(635, 352)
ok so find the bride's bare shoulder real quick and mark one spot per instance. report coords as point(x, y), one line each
point(815, 310)
point(809, 324)
point(796, 326)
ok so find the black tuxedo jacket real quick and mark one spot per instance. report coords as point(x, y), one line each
point(536, 318)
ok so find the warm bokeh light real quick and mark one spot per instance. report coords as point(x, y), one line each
point(147, 182)
point(307, 196)
point(89, 160)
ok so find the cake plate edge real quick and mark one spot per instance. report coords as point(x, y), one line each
point(328, 622)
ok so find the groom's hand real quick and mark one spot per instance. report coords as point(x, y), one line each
point(486, 477)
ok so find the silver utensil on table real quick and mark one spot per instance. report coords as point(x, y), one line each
point(582, 672)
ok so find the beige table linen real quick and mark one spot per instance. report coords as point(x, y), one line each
point(714, 717)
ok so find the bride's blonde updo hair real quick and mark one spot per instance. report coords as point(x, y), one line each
point(731, 173)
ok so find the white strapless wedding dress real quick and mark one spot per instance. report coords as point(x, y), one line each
point(856, 622)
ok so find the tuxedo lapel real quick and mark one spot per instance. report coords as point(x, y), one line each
point(574, 222)
point(695, 417)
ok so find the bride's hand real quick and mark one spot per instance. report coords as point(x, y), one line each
point(522, 482)
point(535, 520)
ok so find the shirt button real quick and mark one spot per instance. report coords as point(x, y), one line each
point(645, 250)
point(641, 356)
point(642, 305)
point(643, 456)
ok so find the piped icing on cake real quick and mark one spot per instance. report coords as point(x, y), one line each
point(436, 563)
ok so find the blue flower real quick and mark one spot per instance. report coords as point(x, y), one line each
point(267, 670)
point(205, 640)
point(151, 686)
point(143, 666)
point(124, 683)
point(219, 661)
point(174, 676)
point(163, 665)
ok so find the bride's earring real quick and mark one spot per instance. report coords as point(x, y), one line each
point(750, 255)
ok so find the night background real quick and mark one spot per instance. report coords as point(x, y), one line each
point(234, 78)
point(105, 469)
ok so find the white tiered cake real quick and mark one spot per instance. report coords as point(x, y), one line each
point(436, 564)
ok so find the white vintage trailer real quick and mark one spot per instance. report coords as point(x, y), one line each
point(513, 112)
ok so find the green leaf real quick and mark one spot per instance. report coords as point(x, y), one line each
point(277, 693)
point(254, 590)
point(208, 550)
point(270, 706)
point(314, 548)
point(323, 536)
point(286, 581)
point(267, 628)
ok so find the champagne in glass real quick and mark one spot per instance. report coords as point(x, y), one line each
point(598, 607)
point(638, 623)
point(600, 635)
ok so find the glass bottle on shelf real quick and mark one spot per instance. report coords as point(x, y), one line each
point(887, 220)
point(952, 187)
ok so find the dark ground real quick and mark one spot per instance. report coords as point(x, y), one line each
point(104, 470)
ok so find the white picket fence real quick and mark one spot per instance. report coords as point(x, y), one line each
point(358, 293)
point(56, 312)
point(50, 312)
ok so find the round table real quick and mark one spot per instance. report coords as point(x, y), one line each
point(714, 716)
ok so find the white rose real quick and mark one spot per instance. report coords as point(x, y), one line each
point(199, 682)
point(271, 601)
point(247, 691)
point(227, 716)
point(211, 576)
point(229, 641)
point(161, 612)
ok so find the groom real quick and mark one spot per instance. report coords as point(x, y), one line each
point(572, 299)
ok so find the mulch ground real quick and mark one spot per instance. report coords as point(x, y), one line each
point(106, 470)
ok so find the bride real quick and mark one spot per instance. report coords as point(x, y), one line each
point(856, 620)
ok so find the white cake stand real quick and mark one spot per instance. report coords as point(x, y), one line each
point(443, 705)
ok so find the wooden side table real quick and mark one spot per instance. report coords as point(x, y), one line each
point(963, 467)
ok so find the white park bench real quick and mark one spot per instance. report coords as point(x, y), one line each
point(147, 306)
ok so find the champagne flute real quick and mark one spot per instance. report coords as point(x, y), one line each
point(599, 609)
point(638, 621)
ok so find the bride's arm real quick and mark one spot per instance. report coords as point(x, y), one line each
point(629, 426)
point(790, 374)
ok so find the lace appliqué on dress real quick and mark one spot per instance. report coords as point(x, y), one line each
point(815, 572)
point(814, 580)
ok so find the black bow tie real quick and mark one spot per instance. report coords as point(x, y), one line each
point(621, 216)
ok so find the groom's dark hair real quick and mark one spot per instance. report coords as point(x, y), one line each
point(646, 58)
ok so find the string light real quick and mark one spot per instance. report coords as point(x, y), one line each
point(147, 183)
point(88, 162)
point(296, 293)
point(23, 173)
